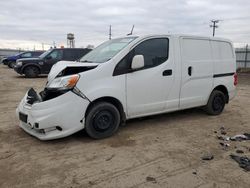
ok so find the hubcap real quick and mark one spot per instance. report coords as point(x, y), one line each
point(218, 103)
point(103, 121)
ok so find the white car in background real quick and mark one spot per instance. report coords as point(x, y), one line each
point(131, 77)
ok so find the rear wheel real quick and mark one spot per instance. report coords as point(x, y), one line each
point(216, 103)
point(11, 64)
point(102, 120)
point(31, 72)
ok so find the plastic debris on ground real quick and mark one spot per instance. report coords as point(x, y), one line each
point(240, 137)
point(244, 162)
point(207, 156)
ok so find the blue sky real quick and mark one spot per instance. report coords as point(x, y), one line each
point(27, 24)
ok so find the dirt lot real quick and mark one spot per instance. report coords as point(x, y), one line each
point(157, 151)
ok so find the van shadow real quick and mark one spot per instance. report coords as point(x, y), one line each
point(23, 77)
point(164, 118)
point(134, 125)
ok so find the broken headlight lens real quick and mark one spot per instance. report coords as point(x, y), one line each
point(64, 83)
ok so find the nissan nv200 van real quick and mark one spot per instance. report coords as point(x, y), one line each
point(131, 77)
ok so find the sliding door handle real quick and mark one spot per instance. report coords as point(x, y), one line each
point(190, 70)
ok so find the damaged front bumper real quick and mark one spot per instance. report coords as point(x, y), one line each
point(52, 117)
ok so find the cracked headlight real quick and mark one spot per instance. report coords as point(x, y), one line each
point(64, 83)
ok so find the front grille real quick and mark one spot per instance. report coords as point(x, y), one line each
point(23, 117)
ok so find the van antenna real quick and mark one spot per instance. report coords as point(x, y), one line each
point(131, 32)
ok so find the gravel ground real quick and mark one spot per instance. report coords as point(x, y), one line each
point(157, 151)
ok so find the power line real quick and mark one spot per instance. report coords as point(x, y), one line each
point(214, 26)
point(237, 18)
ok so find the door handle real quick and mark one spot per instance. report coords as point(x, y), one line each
point(190, 70)
point(167, 72)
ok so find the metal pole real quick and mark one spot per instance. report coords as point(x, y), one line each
point(110, 32)
point(213, 28)
point(246, 56)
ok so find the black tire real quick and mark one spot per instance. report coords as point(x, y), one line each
point(5, 62)
point(216, 103)
point(102, 120)
point(11, 64)
point(31, 71)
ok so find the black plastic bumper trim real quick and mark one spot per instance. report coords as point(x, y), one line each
point(223, 75)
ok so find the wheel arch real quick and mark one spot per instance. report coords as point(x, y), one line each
point(224, 90)
point(30, 65)
point(117, 103)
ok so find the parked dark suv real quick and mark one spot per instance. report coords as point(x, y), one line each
point(32, 67)
point(11, 60)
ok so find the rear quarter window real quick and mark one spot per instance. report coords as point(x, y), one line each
point(69, 54)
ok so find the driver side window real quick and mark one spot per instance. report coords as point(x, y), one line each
point(154, 51)
point(56, 55)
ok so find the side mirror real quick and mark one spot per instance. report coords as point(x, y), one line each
point(137, 62)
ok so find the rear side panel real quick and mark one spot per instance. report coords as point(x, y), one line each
point(224, 65)
point(223, 57)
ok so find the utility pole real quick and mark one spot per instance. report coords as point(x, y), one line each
point(54, 44)
point(246, 56)
point(110, 32)
point(214, 26)
point(43, 46)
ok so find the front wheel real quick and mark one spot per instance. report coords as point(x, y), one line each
point(102, 120)
point(216, 103)
point(31, 72)
point(11, 64)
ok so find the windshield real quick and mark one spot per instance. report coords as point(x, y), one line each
point(106, 50)
point(45, 54)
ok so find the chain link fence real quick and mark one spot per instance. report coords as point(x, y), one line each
point(243, 57)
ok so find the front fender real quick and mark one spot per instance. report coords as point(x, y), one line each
point(107, 92)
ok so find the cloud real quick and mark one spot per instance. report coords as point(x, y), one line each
point(27, 23)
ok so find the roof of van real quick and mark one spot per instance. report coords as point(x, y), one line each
point(181, 35)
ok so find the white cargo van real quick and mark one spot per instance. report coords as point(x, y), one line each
point(131, 77)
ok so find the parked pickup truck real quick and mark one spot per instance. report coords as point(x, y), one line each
point(11, 60)
point(131, 77)
point(32, 67)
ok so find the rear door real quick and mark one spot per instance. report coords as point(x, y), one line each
point(196, 71)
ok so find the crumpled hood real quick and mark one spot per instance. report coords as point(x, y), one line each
point(61, 65)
